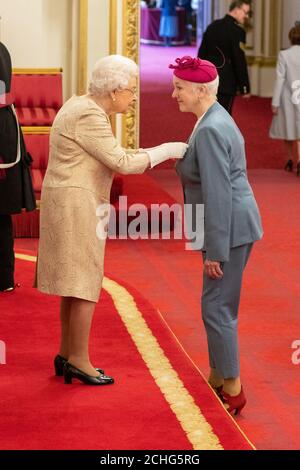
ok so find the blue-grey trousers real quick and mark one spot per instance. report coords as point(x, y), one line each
point(220, 303)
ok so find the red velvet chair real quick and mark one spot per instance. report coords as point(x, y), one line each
point(26, 224)
point(37, 94)
point(38, 97)
point(38, 147)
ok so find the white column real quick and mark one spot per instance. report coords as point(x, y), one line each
point(266, 35)
point(98, 32)
point(73, 54)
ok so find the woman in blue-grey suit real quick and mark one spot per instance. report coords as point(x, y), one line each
point(213, 174)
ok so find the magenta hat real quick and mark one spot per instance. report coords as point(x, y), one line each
point(194, 70)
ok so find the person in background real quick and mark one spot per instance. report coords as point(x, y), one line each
point(214, 176)
point(168, 27)
point(84, 156)
point(148, 3)
point(286, 99)
point(187, 5)
point(223, 44)
point(16, 191)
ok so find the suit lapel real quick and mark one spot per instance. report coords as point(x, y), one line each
point(211, 110)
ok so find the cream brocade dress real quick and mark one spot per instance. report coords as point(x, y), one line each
point(84, 155)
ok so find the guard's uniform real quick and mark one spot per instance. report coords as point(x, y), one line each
point(223, 44)
point(16, 190)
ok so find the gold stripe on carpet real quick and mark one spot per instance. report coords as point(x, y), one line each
point(197, 429)
point(201, 374)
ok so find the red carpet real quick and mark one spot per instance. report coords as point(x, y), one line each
point(136, 210)
point(161, 120)
point(170, 278)
point(139, 412)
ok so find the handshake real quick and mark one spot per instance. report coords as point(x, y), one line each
point(164, 152)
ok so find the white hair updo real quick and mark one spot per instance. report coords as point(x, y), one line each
point(212, 87)
point(111, 73)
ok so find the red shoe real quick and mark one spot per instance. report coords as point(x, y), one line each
point(235, 403)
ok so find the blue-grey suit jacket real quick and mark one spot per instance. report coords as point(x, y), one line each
point(213, 173)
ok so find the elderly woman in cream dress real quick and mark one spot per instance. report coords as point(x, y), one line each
point(84, 156)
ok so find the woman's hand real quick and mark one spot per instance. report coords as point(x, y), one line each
point(275, 110)
point(213, 269)
point(164, 152)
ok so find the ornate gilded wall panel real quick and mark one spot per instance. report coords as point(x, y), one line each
point(82, 47)
point(131, 45)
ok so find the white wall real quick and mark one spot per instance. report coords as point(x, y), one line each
point(37, 32)
point(98, 31)
point(44, 34)
point(291, 13)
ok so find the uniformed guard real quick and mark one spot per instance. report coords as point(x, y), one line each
point(223, 44)
point(16, 190)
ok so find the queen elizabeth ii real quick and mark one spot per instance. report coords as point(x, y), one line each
point(84, 156)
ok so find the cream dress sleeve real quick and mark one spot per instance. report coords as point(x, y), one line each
point(94, 135)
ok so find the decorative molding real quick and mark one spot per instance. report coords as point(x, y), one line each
point(260, 61)
point(275, 27)
point(263, 7)
point(28, 71)
point(82, 47)
point(131, 45)
point(113, 10)
point(271, 21)
point(113, 28)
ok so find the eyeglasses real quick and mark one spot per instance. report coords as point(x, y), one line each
point(134, 92)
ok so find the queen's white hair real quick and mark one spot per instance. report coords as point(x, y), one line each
point(212, 87)
point(111, 73)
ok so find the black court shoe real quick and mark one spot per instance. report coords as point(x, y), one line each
point(289, 165)
point(59, 363)
point(10, 289)
point(71, 372)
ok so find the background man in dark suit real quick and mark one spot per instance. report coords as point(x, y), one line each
point(16, 190)
point(223, 44)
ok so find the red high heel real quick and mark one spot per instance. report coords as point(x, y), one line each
point(236, 403)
